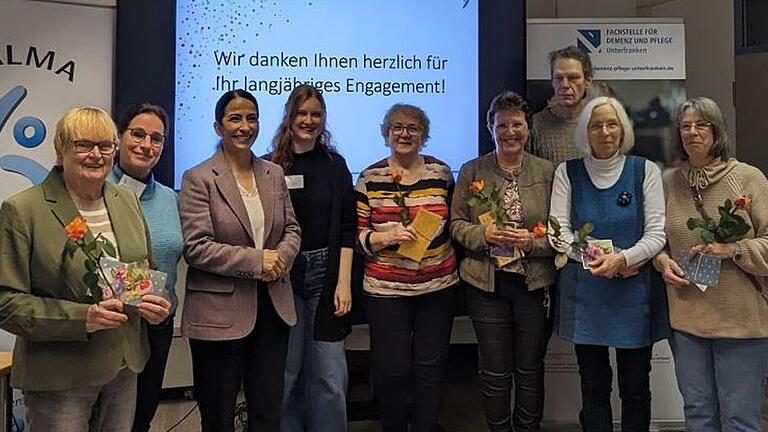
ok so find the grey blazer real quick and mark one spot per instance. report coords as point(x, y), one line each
point(220, 299)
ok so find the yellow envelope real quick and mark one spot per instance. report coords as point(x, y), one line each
point(425, 225)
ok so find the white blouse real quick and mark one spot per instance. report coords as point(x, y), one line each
point(255, 210)
point(604, 173)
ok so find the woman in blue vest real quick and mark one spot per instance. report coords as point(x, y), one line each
point(608, 300)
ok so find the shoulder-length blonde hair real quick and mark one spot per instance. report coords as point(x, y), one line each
point(581, 134)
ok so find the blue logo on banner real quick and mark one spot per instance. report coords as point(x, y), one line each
point(22, 165)
point(589, 40)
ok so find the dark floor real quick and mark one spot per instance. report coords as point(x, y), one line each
point(462, 409)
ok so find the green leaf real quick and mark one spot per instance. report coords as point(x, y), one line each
point(89, 248)
point(738, 219)
point(561, 260)
point(724, 215)
point(727, 206)
point(91, 280)
point(108, 248)
point(707, 236)
point(555, 223)
point(694, 223)
point(494, 195)
point(710, 225)
point(70, 248)
point(90, 266)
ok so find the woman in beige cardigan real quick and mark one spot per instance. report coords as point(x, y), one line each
point(720, 338)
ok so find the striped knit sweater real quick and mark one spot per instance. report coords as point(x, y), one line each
point(737, 307)
point(97, 218)
point(386, 272)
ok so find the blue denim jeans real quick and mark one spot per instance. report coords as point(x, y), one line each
point(105, 408)
point(721, 381)
point(315, 395)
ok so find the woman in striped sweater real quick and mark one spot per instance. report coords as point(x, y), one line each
point(409, 300)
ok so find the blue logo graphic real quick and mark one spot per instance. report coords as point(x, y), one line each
point(466, 2)
point(589, 40)
point(22, 165)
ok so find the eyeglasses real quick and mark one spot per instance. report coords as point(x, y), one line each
point(700, 126)
point(611, 127)
point(106, 148)
point(138, 135)
point(399, 129)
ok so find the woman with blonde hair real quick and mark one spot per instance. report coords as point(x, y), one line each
point(76, 359)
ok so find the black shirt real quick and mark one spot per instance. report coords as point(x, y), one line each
point(312, 203)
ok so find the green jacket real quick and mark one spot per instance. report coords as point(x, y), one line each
point(43, 299)
point(535, 185)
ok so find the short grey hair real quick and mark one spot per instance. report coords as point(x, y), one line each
point(581, 134)
point(407, 109)
point(709, 111)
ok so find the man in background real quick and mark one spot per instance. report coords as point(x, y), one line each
point(553, 126)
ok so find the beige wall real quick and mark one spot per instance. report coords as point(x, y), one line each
point(710, 62)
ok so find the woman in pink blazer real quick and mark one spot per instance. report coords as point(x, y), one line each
point(240, 239)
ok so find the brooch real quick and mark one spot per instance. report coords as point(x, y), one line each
point(624, 199)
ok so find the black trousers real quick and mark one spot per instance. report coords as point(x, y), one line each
point(634, 367)
point(150, 380)
point(409, 347)
point(513, 330)
point(255, 362)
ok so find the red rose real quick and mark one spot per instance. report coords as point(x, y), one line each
point(743, 202)
point(539, 230)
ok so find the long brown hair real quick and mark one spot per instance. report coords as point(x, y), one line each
point(281, 143)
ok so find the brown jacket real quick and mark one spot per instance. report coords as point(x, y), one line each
point(224, 265)
point(535, 184)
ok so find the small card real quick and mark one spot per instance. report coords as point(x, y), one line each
point(700, 269)
point(425, 224)
point(605, 244)
point(131, 183)
point(130, 281)
point(294, 181)
point(503, 254)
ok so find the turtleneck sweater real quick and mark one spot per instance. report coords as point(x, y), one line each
point(737, 307)
point(604, 173)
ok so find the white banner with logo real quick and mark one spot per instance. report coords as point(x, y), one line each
point(52, 57)
point(620, 48)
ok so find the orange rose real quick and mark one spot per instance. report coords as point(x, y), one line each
point(477, 186)
point(76, 229)
point(743, 202)
point(539, 230)
point(397, 176)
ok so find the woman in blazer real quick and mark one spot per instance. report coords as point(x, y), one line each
point(75, 360)
point(240, 239)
